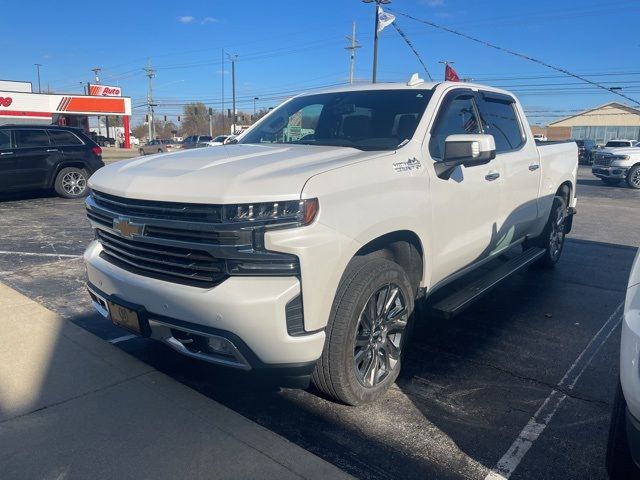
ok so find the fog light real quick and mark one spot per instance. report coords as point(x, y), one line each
point(220, 345)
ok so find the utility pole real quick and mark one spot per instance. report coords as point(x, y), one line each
point(375, 36)
point(38, 65)
point(211, 122)
point(233, 59)
point(352, 51)
point(224, 114)
point(150, 72)
point(254, 108)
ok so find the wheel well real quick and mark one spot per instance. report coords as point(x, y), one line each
point(402, 247)
point(564, 191)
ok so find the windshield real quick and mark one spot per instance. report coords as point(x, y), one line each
point(366, 120)
point(618, 144)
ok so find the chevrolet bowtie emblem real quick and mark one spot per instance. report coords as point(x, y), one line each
point(126, 228)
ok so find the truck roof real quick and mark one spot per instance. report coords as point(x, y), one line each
point(404, 86)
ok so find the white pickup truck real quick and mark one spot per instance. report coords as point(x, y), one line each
point(616, 163)
point(302, 248)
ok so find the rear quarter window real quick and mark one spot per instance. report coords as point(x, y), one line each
point(499, 119)
point(61, 137)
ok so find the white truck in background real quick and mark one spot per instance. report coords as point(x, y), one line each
point(303, 253)
point(616, 163)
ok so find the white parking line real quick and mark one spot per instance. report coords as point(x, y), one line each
point(536, 425)
point(35, 254)
point(124, 338)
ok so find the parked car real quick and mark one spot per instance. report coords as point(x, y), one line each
point(134, 141)
point(540, 137)
point(196, 141)
point(219, 140)
point(303, 253)
point(159, 146)
point(586, 150)
point(47, 156)
point(613, 165)
point(104, 141)
point(623, 449)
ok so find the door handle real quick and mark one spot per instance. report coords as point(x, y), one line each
point(491, 176)
point(6, 153)
point(52, 150)
point(533, 167)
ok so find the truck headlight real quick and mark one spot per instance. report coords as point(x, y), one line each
point(619, 157)
point(289, 213)
point(258, 218)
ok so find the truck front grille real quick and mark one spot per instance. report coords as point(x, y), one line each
point(602, 160)
point(180, 242)
point(164, 262)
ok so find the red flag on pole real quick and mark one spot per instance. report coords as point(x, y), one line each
point(450, 74)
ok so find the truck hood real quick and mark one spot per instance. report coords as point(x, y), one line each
point(224, 174)
point(622, 150)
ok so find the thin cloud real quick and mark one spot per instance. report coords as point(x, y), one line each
point(435, 3)
point(206, 20)
point(186, 19)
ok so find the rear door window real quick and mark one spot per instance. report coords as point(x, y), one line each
point(31, 138)
point(5, 139)
point(500, 120)
point(62, 137)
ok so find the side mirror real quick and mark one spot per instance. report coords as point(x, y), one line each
point(467, 150)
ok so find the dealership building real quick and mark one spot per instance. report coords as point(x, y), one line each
point(607, 122)
point(20, 105)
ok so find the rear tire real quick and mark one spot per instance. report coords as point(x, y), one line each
point(620, 465)
point(366, 333)
point(553, 235)
point(142, 152)
point(633, 177)
point(71, 182)
point(611, 181)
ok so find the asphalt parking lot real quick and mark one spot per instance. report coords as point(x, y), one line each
point(531, 366)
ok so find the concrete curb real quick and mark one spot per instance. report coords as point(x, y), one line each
point(74, 406)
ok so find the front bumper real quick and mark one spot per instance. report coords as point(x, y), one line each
point(248, 312)
point(613, 172)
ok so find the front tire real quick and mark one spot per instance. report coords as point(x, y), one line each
point(366, 332)
point(620, 465)
point(71, 182)
point(633, 177)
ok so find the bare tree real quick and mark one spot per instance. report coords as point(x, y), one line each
point(195, 119)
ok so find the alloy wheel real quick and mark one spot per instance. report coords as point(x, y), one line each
point(379, 332)
point(74, 183)
point(556, 236)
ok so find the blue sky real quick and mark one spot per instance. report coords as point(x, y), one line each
point(284, 47)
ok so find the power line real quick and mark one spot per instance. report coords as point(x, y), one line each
point(517, 54)
point(408, 42)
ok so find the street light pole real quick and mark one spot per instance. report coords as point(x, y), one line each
point(38, 65)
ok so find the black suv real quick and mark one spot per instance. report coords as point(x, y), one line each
point(586, 149)
point(47, 156)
